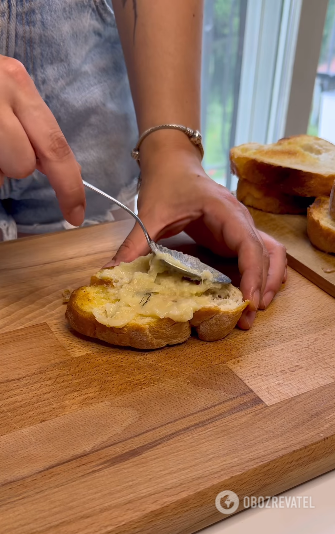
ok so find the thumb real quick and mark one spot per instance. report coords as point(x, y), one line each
point(134, 245)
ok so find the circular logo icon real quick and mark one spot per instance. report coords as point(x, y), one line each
point(227, 502)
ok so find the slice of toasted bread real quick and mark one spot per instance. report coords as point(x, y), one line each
point(143, 307)
point(270, 199)
point(320, 226)
point(302, 165)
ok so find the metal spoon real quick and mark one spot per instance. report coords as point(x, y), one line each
point(188, 265)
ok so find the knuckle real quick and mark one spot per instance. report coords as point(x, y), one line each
point(237, 203)
point(127, 245)
point(282, 249)
point(14, 69)
point(244, 209)
point(255, 239)
point(266, 256)
point(24, 172)
point(57, 148)
point(245, 212)
point(20, 168)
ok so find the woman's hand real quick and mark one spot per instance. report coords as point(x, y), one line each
point(30, 139)
point(176, 195)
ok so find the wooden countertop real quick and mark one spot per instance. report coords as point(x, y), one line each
point(98, 439)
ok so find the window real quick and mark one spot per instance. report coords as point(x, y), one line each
point(224, 26)
point(248, 56)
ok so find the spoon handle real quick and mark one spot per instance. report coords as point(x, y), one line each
point(90, 186)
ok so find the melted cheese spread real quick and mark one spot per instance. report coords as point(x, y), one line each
point(144, 287)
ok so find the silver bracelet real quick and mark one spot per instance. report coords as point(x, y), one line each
point(194, 136)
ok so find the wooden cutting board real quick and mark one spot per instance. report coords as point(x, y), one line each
point(98, 439)
point(316, 266)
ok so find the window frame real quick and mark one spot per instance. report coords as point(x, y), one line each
point(308, 47)
point(281, 48)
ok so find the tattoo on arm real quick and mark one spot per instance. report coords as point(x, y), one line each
point(124, 2)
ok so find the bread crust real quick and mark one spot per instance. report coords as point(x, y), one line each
point(270, 199)
point(211, 324)
point(291, 165)
point(153, 335)
point(319, 229)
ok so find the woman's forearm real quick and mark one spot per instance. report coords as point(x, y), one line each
point(162, 40)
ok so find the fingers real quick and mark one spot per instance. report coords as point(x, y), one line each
point(227, 232)
point(17, 156)
point(253, 261)
point(56, 158)
point(134, 245)
point(227, 229)
point(240, 236)
point(277, 273)
point(246, 320)
point(276, 276)
point(26, 119)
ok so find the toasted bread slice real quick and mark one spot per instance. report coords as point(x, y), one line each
point(140, 305)
point(301, 166)
point(320, 226)
point(270, 199)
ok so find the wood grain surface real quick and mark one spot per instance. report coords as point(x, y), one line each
point(303, 257)
point(99, 439)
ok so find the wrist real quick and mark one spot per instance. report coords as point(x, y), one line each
point(161, 143)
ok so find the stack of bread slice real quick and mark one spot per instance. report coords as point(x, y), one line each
point(295, 175)
point(286, 176)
